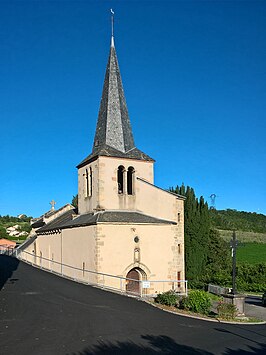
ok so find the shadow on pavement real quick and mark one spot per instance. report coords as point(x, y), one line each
point(158, 345)
point(251, 351)
point(258, 348)
point(8, 264)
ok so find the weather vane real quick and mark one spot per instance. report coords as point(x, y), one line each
point(112, 21)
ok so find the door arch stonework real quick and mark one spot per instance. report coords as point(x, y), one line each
point(133, 282)
point(139, 266)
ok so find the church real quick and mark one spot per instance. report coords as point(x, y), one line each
point(127, 234)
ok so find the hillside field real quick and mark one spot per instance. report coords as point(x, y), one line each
point(243, 237)
point(251, 253)
point(251, 246)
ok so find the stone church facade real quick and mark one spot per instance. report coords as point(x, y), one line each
point(125, 228)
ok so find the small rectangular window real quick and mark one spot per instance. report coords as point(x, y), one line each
point(178, 217)
point(179, 248)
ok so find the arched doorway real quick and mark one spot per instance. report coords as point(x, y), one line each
point(133, 282)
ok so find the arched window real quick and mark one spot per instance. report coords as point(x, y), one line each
point(86, 183)
point(90, 184)
point(130, 178)
point(120, 179)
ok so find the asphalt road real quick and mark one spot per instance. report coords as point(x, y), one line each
point(41, 313)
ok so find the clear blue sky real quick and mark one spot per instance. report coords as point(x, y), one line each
point(194, 75)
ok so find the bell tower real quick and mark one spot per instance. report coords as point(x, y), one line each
point(107, 177)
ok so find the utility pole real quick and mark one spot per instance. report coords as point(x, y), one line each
point(213, 197)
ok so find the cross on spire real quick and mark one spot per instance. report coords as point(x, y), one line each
point(112, 22)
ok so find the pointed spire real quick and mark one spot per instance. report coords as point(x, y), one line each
point(113, 136)
point(113, 126)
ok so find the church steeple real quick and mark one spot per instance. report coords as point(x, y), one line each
point(113, 126)
point(114, 135)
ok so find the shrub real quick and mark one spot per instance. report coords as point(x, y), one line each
point(194, 284)
point(168, 298)
point(197, 301)
point(226, 310)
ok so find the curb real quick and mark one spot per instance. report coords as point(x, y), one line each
point(205, 319)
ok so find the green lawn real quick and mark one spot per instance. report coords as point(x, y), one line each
point(251, 253)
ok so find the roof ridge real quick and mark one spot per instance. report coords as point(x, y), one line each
point(157, 187)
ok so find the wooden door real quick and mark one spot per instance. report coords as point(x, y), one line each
point(133, 286)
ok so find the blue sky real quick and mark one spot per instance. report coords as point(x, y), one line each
point(194, 75)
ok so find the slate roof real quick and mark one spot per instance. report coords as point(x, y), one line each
point(65, 221)
point(107, 151)
point(40, 221)
point(27, 242)
point(114, 135)
point(58, 222)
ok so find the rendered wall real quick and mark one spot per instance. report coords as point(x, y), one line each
point(79, 250)
point(111, 249)
point(45, 247)
point(160, 256)
point(158, 203)
point(145, 198)
point(88, 203)
point(74, 247)
point(105, 191)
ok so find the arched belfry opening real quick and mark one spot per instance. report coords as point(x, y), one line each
point(133, 282)
point(86, 183)
point(90, 182)
point(130, 180)
point(120, 179)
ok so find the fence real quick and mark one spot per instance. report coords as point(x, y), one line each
point(6, 250)
point(139, 288)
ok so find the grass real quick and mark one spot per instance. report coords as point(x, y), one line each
point(251, 246)
point(244, 237)
point(251, 253)
point(214, 297)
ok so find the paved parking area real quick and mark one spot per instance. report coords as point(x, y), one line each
point(41, 314)
point(254, 307)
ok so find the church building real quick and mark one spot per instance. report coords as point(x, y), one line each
point(127, 233)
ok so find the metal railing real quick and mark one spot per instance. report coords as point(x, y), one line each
point(6, 250)
point(139, 288)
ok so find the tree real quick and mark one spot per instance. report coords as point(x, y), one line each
point(218, 267)
point(197, 226)
point(206, 254)
point(74, 201)
point(3, 233)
